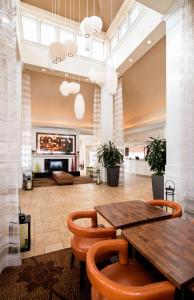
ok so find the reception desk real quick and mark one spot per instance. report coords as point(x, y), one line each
point(139, 167)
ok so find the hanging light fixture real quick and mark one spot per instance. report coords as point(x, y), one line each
point(86, 27)
point(70, 45)
point(70, 48)
point(57, 52)
point(64, 88)
point(96, 24)
point(91, 25)
point(79, 106)
point(74, 87)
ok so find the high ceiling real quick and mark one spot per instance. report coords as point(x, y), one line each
point(79, 9)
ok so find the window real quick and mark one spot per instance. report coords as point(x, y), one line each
point(66, 35)
point(98, 50)
point(84, 45)
point(30, 29)
point(123, 28)
point(133, 14)
point(114, 41)
point(48, 33)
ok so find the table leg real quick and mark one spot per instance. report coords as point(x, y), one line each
point(133, 252)
point(183, 295)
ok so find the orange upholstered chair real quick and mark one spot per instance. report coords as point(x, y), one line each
point(177, 209)
point(84, 237)
point(124, 280)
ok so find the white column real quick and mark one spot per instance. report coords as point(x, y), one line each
point(173, 57)
point(106, 121)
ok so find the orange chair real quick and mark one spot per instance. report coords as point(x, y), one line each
point(177, 209)
point(124, 280)
point(84, 237)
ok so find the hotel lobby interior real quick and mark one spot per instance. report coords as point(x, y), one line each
point(96, 156)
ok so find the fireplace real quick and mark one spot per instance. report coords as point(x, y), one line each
point(56, 164)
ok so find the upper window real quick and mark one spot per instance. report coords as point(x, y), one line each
point(66, 35)
point(84, 45)
point(133, 14)
point(123, 28)
point(98, 50)
point(48, 33)
point(30, 29)
point(114, 41)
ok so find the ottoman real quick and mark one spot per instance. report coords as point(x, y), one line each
point(62, 177)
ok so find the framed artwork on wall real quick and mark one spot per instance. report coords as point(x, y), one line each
point(49, 143)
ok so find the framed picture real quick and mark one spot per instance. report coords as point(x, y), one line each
point(49, 143)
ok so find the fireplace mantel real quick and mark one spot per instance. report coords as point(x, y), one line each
point(39, 159)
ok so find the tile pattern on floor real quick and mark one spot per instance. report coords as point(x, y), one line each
point(50, 206)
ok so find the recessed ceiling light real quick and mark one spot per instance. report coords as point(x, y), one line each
point(43, 70)
point(87, 79)
point(149, 42)
point(130, 60)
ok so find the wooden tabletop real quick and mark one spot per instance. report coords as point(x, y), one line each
point(168, 245)
point(121, 214)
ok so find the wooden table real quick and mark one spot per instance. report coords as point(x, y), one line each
point(169, 246)
point(121, 214)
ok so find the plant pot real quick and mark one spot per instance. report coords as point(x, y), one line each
point(113, 176)
point(158, 186)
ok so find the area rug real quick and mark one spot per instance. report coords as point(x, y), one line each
point(49, 181)
point(44, 277)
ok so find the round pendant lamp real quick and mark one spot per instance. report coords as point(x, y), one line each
point(79, 106)
point(64, 88)
point(86, 27)
point(96, 24)
point(57, 52)
point(71, 48)
point(74, 87)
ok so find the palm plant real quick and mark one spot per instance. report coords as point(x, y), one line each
point(109, 156)
point(156, 155)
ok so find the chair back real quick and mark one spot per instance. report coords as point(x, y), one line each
point(113, 290)
point(177, 209)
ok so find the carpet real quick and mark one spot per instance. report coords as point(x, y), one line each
point(49, 181)
point(44, 277)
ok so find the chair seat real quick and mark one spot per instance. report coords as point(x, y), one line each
point(132, 274)
point(80, 246)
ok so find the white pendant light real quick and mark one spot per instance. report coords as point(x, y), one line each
point(74, 87)
point(64, 88)
point(111, 80)
point(96, 23)
point(71, 48)
point(79, 107)
point(86, 27)
point(57, 52)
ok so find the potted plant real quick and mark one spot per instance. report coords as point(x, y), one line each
point(156, 158)
point(111, 158)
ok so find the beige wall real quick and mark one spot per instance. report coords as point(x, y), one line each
point(144, 89)
point(50, 108)
point(143, 92)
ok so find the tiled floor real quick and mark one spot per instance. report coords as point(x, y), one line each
point(50, 206)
